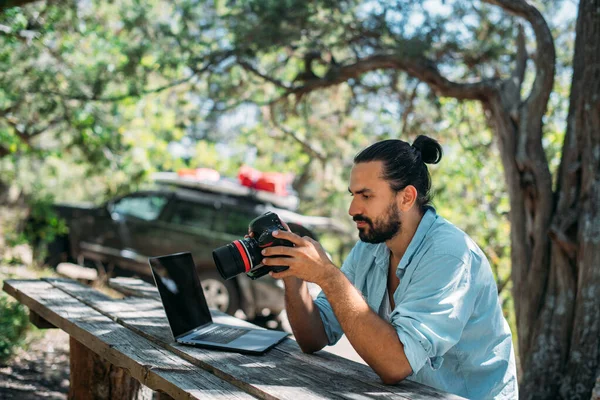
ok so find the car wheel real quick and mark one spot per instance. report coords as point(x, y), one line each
point(220, 294)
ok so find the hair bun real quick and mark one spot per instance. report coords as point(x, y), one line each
point(431, 151)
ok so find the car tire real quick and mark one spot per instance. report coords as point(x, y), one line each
point(220, 294)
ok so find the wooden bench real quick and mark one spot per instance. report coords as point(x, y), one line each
point(123, 349)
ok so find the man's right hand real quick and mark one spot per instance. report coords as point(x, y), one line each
point(291, 283)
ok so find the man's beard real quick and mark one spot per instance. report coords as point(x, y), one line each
point(384, 228)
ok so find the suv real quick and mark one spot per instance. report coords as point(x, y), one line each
point(182, 214)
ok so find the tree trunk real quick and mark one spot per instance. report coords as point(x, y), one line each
point(583, 134)
point(555, 237)
point(96, 379)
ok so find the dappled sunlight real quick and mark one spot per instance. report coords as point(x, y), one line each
point(157, 359)
point(370, 395)
point(259, 365)
point(133, 314)
point(134, 129)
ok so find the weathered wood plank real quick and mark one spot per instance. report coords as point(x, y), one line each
point(134, 287)
point(284, 372)
point(92, 377)
point(361, 372)
point(137, 287)
point(150, 364)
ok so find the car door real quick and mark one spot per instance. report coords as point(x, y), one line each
point(135, 218)
point(188, 226)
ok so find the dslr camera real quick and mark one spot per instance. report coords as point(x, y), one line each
point(243, 256)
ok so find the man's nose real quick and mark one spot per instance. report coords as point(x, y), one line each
point(354, 209)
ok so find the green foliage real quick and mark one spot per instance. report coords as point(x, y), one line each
point(93, 97)
point(41, 227)
point(13, 326)
point(51, 225)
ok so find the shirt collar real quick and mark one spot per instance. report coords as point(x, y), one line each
point(382, 253)
point(426, 222)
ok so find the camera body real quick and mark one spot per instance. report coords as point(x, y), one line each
point(245, 255)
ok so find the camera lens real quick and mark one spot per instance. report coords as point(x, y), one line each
point(236, 257)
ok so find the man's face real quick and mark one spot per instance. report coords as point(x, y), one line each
point(374, 206)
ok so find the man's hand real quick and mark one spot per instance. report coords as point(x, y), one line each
point(307, 260)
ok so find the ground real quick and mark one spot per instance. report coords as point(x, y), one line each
point(41, 369)
point(39, 372)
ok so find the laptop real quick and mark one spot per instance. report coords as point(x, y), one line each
point(190, 321)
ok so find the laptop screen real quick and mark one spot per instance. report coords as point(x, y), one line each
point(180, 291)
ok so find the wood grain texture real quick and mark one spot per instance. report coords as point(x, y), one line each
point(152, 365)
point(134, 287)
point(92, 377)
point(284, 372)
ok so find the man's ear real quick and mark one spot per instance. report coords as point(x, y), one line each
point(407, 197)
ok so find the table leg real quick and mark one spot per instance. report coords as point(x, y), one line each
point(92, 377)
point(39, 322)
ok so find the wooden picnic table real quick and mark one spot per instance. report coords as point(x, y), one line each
point(123, 349)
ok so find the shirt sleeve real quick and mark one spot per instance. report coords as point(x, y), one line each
point(330, 323)
point(434, 309)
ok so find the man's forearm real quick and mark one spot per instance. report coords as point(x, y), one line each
point(373, 338)
point(304, 316)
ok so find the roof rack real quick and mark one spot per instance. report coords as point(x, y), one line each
point(226, 186)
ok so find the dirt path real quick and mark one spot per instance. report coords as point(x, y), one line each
point(40, 372)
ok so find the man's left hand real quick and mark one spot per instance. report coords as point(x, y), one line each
point(307, 260)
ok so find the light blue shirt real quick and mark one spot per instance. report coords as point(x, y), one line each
point(447, 312)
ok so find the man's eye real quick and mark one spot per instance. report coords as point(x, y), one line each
point(366, 197)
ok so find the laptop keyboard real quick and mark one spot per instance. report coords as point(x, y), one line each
point(220, 334)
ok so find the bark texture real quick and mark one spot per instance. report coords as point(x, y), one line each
point(94, 378)
point(555, 235)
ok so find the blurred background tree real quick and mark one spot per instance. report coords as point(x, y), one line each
point(96, 95)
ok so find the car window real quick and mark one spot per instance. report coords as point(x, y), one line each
point(145, 207)
point(233, 221)
point(193, 214)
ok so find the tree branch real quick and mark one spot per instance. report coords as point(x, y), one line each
point(511, 88)
point(25, 135)
point(307, 147)
point(519, 71)
point(39, 131)
point(122, 96)
point(502, 284)
point(254, 71)
point(530, 175)
point(408, 109)
point(422, 69)
point(212, 60)
point(545, 60)
point(4, 112)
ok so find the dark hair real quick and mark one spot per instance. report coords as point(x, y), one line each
point(404, 164)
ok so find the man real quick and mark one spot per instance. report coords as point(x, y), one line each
point(415, 297)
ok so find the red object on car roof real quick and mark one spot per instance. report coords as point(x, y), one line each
point(274, 182)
